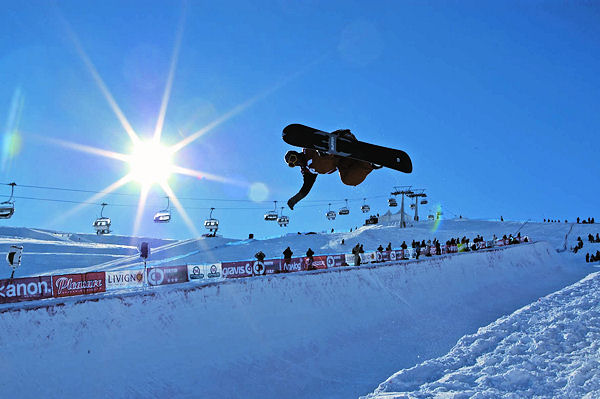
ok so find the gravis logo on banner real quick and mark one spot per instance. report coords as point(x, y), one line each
point(259, 268)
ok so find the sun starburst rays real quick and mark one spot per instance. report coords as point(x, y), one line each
point(179, 208)
point(156, 136)
point(166, 95)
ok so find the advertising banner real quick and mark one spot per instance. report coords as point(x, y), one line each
point(237, 269)
point(294, 265)
point(124, 279)
point(350, 259)
point(78, 284)
point(318, 262)
point(25, 289)
point(336, 261)
point(368, 257)
point(410, 253)
point(212, 272)
point(389, 256)
point(271, 266)
point(167, 275)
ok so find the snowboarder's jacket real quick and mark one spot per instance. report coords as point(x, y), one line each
point(312, 162)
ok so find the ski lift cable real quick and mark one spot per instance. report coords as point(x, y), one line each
point(54, 188)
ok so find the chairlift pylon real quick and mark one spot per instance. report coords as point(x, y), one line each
point(272, 216)
point(102, 224)
point(7, 208)
point(163, 216)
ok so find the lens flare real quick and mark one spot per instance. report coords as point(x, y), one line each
point(258, 192)
point(438, 218)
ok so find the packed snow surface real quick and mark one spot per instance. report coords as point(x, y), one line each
point(328, 334)
point(548, 349)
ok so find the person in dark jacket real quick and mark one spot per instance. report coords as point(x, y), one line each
point(312, 163)
point(379, 248)
point(309, 255)
point(403, 246)
point(260, 256)
point(389, 247)
point(287, 259)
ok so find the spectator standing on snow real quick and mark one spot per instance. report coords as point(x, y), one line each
point(287, 259)
point(587, 257)
point(403, 246)
point(379, 248)
point(260, 256)
point(389, 247)
point(309, 255)
point(356, 253)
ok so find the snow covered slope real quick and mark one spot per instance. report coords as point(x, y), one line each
point(333, 334)
point(549, 349)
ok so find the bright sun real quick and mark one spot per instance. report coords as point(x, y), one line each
point(151, 162)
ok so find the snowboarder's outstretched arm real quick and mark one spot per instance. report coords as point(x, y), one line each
point(309, 180)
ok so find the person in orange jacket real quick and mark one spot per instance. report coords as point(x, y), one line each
point(312, 163)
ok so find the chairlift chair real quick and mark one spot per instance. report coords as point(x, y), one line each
point(330, 214)
point(392, 202)
point(7, 208)
point(163, 216)
point(283, 220)
point(102, 224)
point(424, 202)
point(365, 208)
point(272, 216)
point(211, 223)
point(412, 206)
point(344, 210)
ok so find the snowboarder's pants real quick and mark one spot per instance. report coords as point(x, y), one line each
point(352, 171)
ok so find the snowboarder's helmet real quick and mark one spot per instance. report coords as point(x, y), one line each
point(291, 157)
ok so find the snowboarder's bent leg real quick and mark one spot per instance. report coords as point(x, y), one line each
point(353, 172)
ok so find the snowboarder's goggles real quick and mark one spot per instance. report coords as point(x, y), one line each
point(291, 159)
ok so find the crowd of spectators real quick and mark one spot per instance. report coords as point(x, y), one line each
point(586, 221)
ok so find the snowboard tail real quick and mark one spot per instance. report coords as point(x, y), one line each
point(332, 143)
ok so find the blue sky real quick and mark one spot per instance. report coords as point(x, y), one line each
point(497, 103)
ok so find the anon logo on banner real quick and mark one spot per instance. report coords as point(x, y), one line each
point(25, 289)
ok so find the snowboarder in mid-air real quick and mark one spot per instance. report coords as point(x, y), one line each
point(324, 153)
point(312, 162)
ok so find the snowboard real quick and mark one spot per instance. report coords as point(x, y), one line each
point(331, 143)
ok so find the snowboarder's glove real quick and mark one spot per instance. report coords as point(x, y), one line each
point(291, 202)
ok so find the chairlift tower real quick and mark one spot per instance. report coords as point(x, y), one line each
point(402, 190)
point(417, 193)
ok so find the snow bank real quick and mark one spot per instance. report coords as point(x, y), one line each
point(548, 349)
point(329, 334)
